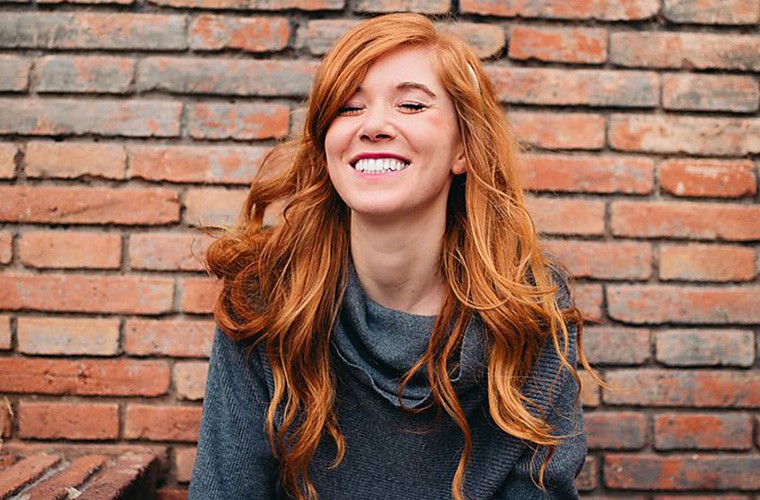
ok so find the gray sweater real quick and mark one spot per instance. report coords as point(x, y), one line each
point(390, 453)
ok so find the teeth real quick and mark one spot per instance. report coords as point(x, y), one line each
point(379, 165)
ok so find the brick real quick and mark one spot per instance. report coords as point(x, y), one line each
point(71, 160)
point(683, 388)
point(702, 431)
point(589, 390)
point(162, 423)
point(588, 298)
point(420, 6)
point(73, 476)
point(587, 478)
point(130, 475)
point(167, 251)
point(119, 2)
point(485, 39)
point(577, 87)
point(6, 247)
point(685, 50)
point(712, 11)
point(249, 34)
point(319, 35)
point(171, 494)
point(694, 92)
point(24, 472)
point(683, 473)
point(222, 120)
point(603, 260)
point(559, 130)
point(705, 347)
point(84, 377)
point(184, 459)
point(68, 336)
point(5, 333)
point(225, 76)
point(8, 160)
point(14, 73)
point(307, 5)
point(190, 379)
point(615, 430)
point(86, 205)
point(610, 10)
point(92, 30)
point(71, 450)
point(70, 249)
point(567, 216)
point(89, 74)
point(685, 134)
point(96, 421)
point(717, 178)
point(570, 45)
point(701, 497)
point(199, 294)
point(206, 164)
point(6, 460)
point(181, 338)
point(614, 345)
point(7, 418)
point(695, 262)
point(86, 293)
point(138, 118)
point(651, 304)
point(210, 206)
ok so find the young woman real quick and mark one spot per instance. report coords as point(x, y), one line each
point(398, 333)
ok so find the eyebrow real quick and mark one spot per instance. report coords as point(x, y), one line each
point(409, 86)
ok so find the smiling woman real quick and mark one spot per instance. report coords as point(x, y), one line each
point(400, 333)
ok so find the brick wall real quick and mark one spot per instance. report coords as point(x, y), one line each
point(125, 124)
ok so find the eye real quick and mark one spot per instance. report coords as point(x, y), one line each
point(349, 110)
point(413, 107)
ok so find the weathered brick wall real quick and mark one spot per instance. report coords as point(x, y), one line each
point(126, 124)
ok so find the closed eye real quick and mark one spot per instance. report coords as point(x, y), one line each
point(413, 106)
point(348, 110)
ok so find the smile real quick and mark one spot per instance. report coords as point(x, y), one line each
point(379, 165)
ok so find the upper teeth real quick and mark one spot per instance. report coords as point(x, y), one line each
point(379, 165)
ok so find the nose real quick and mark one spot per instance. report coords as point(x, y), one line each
point(377, 125)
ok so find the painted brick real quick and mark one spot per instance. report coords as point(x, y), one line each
point(208, 206)
point(249, 34)
point(68, 336)
point(6, 247)
point(570, 45)
point(84, 377)
point(588, 298)
point(87, 205)
point(695, 262)
point(24, 472)
point(162, 423)
point(718, 178)
point(319, 35)
point(90, 74)
point(590, 396)
point(559, 130)
point(615, 430)
point(167, 251)
point(70, 249)
point(70, 160)
point(614, 345)
point(686, 220)
point(604, 260)
point(8, 160)
point(5, 332)
point(14, 73)
point(683, 388)
point(705, 347)
point(651, 304)
point(307, 5)
point(567, 216)
point(73, 476)
point(222, 120)
point(95, 421)
point(190, 379)
point(692, 92)
point(182, 338)
point(184, 460)
point(610, 10)
point(86, 293)
point(138, 118)
point(199, 294)
point(485, 39)
point(712, 11)
point(587, 478)
point(702, 431)
point(207, 164)
point(421, 6)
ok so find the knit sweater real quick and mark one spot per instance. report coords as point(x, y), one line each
point(390, 453)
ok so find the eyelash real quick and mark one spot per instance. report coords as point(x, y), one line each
point(409, 106)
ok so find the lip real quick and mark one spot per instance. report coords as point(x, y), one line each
point(375, 156)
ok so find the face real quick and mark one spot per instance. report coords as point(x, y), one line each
point(395, 146)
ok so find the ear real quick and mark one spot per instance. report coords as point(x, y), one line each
point(460, 162)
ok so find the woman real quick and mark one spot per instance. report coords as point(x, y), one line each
point(399, 333)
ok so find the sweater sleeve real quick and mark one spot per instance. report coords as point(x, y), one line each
point(234, 458)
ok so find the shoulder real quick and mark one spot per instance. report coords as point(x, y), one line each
point(243, 364)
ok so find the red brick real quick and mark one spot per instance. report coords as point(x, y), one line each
point(255, 4)
point(86, 293)
point(74, 475)
point(249, 34)
point(685, 134)
point(580, 87)
point(684, 388)
point(701, 497)
point(679, 472)
point(588, 298)
point(109, 117)
point(68, 336)
point(171, 494)
point(692, 92)
point(8, 160)
point(567, 216)
point(199, 294)
point(485, 39)
point(167, 251)
point(610, 10)
point(190, 379)
point(120, 2)
point(90, 74)
point(222, 120)
point(14, 73)
point(84, 377)
point(421, 6)
point(6, 418)
point(615, 430)
point(686, 220)
point(705, 347)
point(88, 205)
point(162, 423)
point(96, 421)
point(559, 130)
point(571, 45)
point(702, 431)
point(182, 338)
point(5, 332)
point(587, 478)
point(208, 206)
point(184, 459)
point(24, 472)
point(613, 345)
point(695, 262)
point(718, 178)
point(319, 35)
point(6, 247)
point(129, 475)
point(604, 260)
point(70, 249)
point(685, 50)
point(712, 11)
point(6, 460)
point(71, 450)
point(70, 160)
point(648, 304)
point(589, 390)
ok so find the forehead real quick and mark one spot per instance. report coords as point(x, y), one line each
point(407, 64)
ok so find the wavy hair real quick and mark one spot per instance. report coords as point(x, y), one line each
point(283, 285)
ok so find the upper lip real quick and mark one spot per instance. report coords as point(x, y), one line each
point(374, 156)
